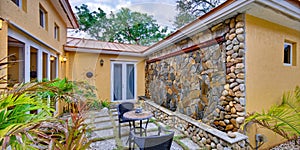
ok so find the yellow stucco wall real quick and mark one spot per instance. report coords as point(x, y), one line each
point(28, 19)
point(80, 63)
point(3, 47)
point(266, 76)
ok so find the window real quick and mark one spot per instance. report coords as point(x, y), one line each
point(289, 54)
point(43, 17)
point(17, 2)
point(56, 32)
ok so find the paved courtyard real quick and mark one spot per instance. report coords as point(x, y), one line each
point(104, 125)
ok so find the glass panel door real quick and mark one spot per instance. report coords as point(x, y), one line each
point(130, 81)
point(117, 82)
point(123, 81)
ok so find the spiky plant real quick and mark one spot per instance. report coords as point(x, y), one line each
point(282, 119)
point(22, 129)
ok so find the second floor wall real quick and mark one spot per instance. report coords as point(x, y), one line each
point(37, 17)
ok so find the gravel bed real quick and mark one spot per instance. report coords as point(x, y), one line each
point(289, 145)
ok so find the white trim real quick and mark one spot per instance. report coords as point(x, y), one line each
point(39, 65)
point(123, 60)
point(291, 54)
point(237, 6)
point(56, 61)
point(200, 25)
point(26, 62)
point(86, 50)
point(124, 79)
point(48, 67)
point(282, 5)
point(21, 65)
point(21, 4)
point(27, 45)
point(10, 31)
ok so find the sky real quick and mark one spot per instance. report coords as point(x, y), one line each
point(163, 11)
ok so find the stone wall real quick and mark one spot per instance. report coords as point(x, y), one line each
point(202, 76)
point(231, 107)
point(200, 133)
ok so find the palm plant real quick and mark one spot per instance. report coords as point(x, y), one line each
point(282, 119)
point(20, 129)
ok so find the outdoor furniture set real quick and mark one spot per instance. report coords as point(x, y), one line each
point(138, 134)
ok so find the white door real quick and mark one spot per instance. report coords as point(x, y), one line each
point(123, 77)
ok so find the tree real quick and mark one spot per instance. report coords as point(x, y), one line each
point(124, 27)
point(86, 18)
point(183, 18)
point(190, 9)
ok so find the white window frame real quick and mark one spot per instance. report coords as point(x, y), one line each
point(291, 54)
point(56, 32)
point(41, 49)
point(42, 12)
point(19, 4)
point(124, 80)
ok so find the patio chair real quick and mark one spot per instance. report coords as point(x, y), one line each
point(123, 108)
point(161, 141)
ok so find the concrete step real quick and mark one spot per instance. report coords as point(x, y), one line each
point(109, 144)
point(189, 143)
point(106, 133)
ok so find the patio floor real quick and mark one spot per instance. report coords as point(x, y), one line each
point(104, 125)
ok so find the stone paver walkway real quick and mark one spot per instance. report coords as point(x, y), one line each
point(104, 125)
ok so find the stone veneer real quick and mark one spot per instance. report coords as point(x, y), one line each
point(230, 113)
point(202, 134)
point(203, 76)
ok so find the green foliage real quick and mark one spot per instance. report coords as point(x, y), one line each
point(191, 9)
point(183, 18)
point(86, 18)
point(71, 135)
point(124, 27)
point(16, 121)
point(105, 103)
point(282, 119)
point(27, 122)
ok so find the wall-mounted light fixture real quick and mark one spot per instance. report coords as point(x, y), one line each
point(52, 58)
point(101, 62)
point(64, 59)
point(1, 23)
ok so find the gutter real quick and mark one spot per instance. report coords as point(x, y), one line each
point(201, 24)
point(102, 51)
point(285, 7)
point(69, 12)
point(208, 19)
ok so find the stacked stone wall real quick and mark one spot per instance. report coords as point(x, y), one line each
point(231, 108)
point(200, 133)
point(207, 83)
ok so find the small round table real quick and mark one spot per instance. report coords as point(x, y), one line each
point(144, 115)
point(132, 115)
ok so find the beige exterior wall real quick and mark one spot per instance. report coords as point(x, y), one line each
point(267, 78)
point(28, 19)
point(79, 64)
point(3, 47)
point(24, 22)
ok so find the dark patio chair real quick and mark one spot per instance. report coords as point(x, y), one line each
point(123, 108)
point(161, 141)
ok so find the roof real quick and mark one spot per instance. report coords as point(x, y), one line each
point(95, 46)
point(63, 7)
point(283, 12)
